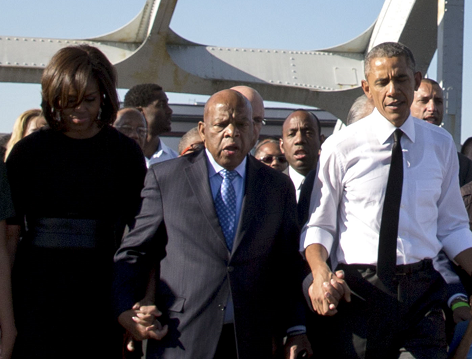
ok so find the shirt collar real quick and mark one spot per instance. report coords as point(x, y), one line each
point(384, 128)
point(296, 177)
point(214, 167)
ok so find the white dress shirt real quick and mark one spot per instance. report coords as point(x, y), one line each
point(350, 192)
point(162, 154)
point(297, 180)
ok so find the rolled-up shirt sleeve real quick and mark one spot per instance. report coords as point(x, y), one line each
point(327, 191)
point(453, 223)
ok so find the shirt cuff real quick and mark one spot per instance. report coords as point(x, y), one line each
point(316, 235)
point(451, 299)
point(457, 242)
point(296, 330)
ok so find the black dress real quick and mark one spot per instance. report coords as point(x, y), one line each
point(74, 198)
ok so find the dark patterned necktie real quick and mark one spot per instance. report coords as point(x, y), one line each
point(225, 204)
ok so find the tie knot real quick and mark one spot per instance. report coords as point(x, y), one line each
point(228, 174)
point(397, 135)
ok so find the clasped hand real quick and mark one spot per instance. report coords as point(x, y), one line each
point(327, 290)
point(142, 323)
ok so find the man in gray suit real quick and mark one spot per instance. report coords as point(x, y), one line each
point(228, 284)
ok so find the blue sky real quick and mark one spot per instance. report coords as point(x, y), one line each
point(273, 24)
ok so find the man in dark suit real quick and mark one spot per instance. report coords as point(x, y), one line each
point(228, 280)
point(301, 142)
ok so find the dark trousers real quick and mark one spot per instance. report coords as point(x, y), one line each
point(408, 323)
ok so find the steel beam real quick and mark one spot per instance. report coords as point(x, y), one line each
point(147, 50)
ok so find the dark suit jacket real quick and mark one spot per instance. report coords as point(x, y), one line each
point(178, 229)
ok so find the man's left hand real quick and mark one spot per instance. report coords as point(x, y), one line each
point(296, 345)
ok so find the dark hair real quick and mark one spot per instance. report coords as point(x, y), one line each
point(70, 69)
point(317, 120)
point(466, 149)
point(141, 95)
point(389, 49)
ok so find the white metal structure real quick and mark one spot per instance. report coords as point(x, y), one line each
point(147, 50)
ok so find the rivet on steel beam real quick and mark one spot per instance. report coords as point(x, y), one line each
point(16, 39)
point(24, 63)
point(279, 82)
point(287, 83)
point(292, 58)
point(8, 63)
point(284, 52)
point(8, 38)
point(268, 51)
point(49, 40)
point(43, 65)
point(271, 81)
point(25, 39)
point(244, 50)
point(16, 63)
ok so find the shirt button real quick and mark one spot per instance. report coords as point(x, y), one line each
point(221, 307)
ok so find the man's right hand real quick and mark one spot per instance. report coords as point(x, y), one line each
point(141, 322)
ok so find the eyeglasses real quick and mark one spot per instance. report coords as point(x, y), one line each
point(269, 159)
point(128, 130)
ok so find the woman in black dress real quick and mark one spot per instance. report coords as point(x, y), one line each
point(75, 185)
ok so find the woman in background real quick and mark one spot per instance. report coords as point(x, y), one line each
point(75, 185)
point(23, 125)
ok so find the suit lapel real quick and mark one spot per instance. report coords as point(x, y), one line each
point(197, 176)
point(251, 198)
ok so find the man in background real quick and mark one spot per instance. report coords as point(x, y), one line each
point(154, 104)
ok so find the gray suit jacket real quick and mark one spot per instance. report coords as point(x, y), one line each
point(178, 230)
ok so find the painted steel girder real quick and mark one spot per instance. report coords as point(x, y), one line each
point(147, 50)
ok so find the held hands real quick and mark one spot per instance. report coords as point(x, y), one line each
point(141, 322)
point(327, 290)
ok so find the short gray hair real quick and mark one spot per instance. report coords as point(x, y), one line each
point(361, 108)
point(389, 49)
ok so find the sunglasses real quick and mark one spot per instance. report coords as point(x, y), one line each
point(269, 159)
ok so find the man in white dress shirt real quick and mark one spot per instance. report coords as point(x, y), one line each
point(375, 317)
